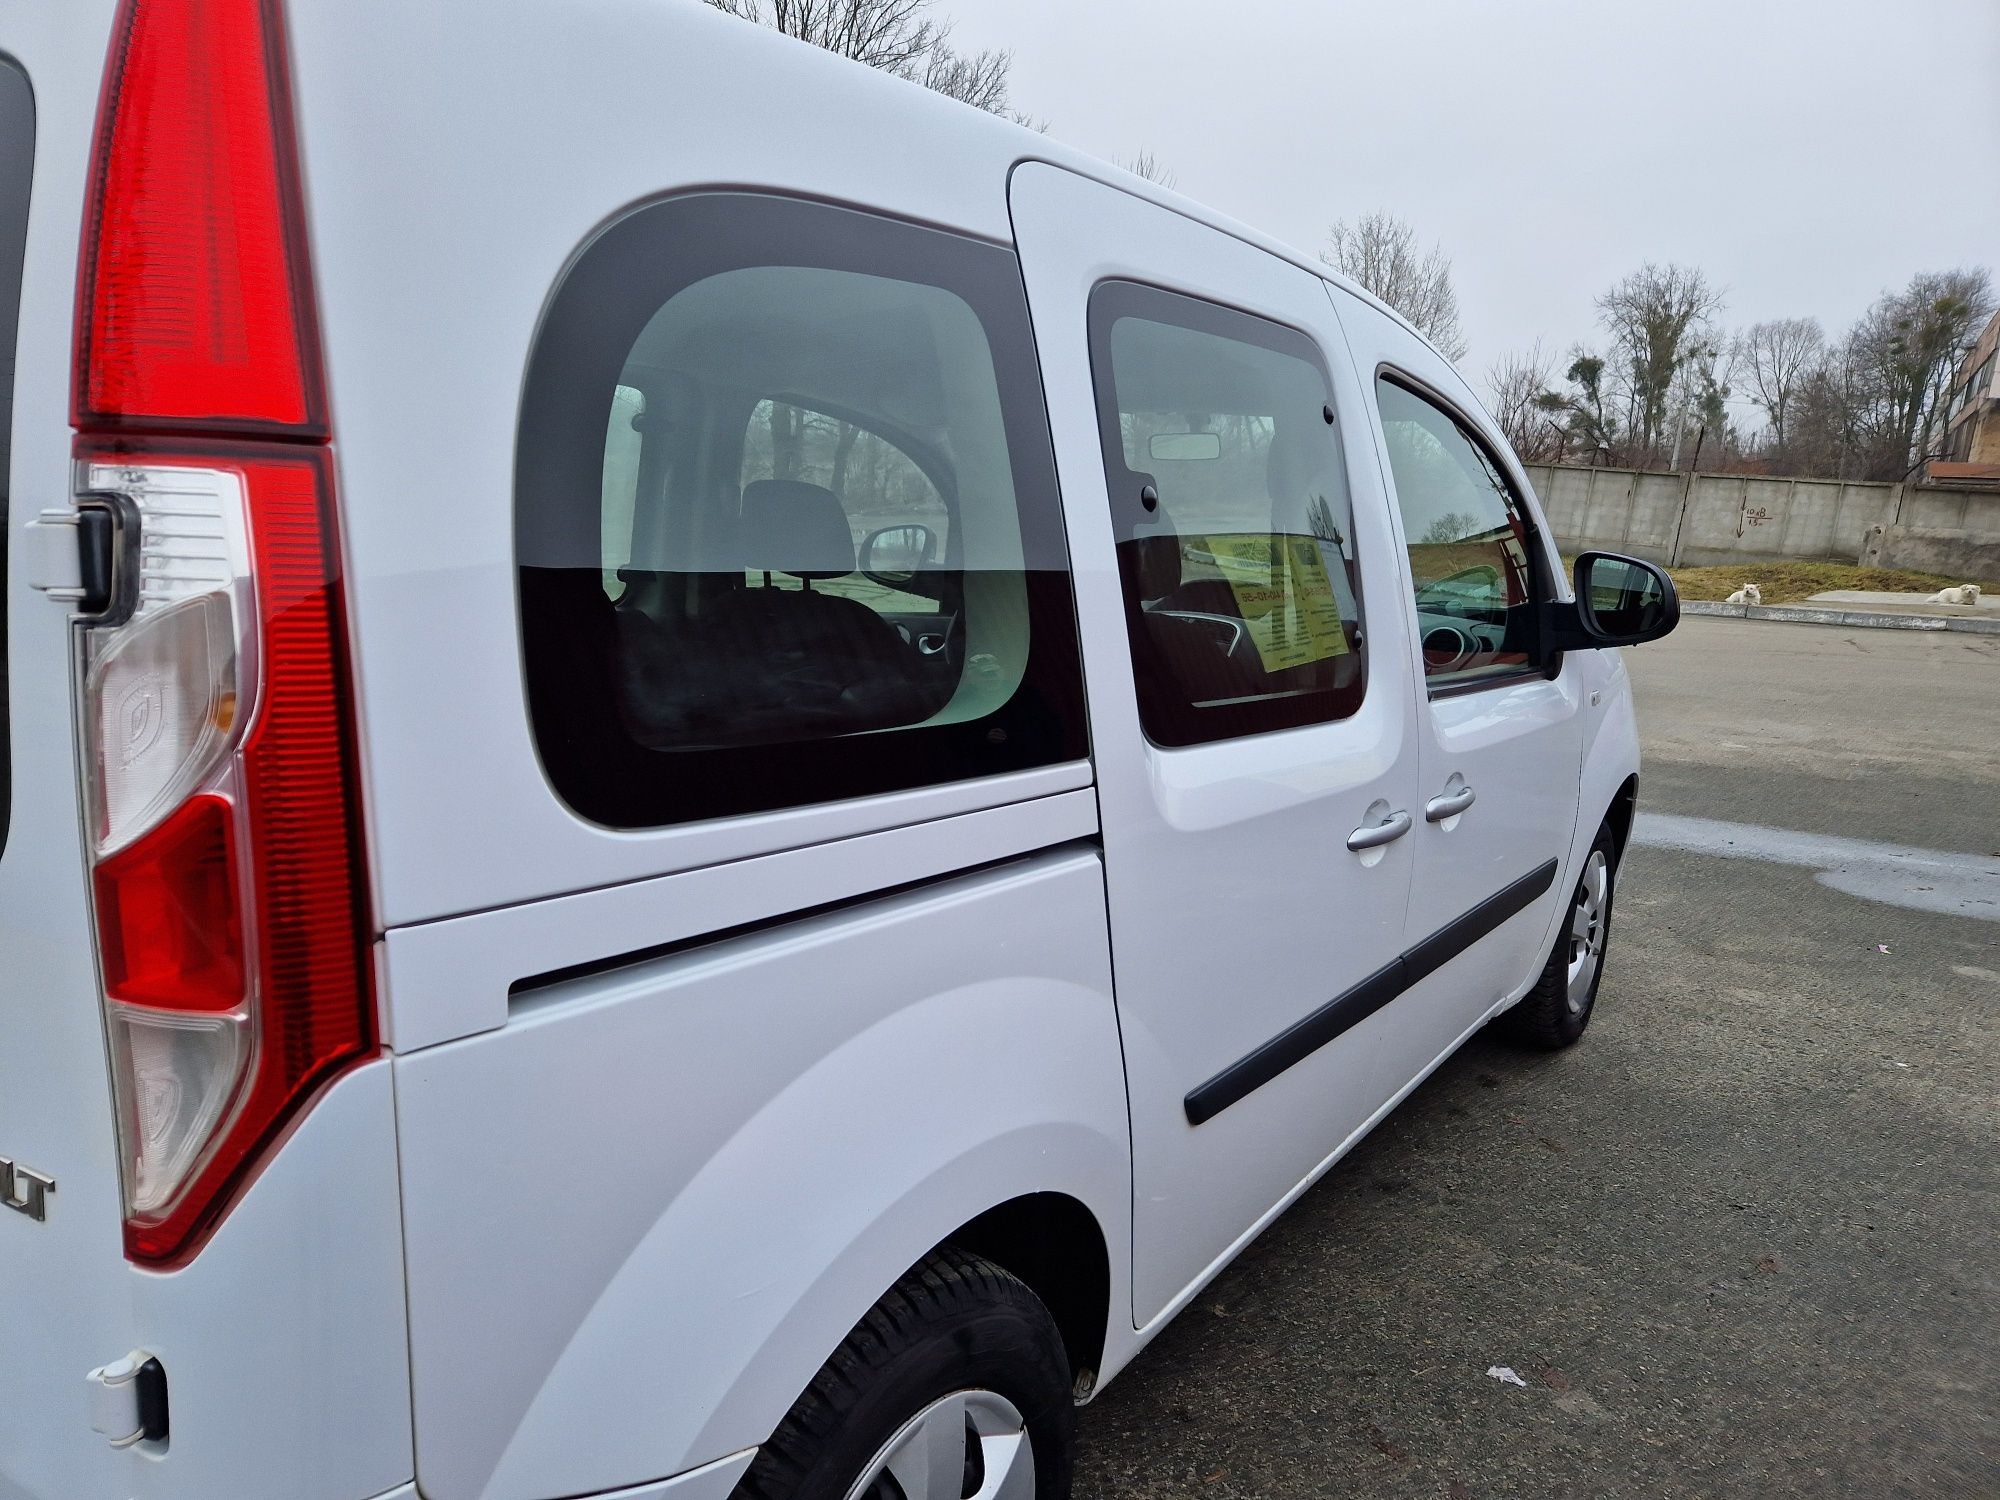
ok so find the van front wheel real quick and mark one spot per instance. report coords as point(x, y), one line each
point(954, 1386)
point(1554, 1013)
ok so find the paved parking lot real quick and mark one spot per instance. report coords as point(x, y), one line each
point(1745, 1238)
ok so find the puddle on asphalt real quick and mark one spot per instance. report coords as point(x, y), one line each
point(1933, 880)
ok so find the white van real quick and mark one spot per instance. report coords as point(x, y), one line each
point(712, 770)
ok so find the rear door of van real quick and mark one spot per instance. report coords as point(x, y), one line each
point(60, 1252)
point(275, 1318)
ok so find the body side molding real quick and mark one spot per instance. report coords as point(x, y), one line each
point(1299, 1041)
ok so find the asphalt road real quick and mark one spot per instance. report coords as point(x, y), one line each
point(1744, 1239)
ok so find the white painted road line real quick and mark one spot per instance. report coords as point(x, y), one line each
point(1958, 885)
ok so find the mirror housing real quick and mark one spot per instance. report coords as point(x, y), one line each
point(893, 555)
point(1620, 601)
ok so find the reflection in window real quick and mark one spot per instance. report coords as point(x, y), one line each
point(1469, 544)
point(1229, 496)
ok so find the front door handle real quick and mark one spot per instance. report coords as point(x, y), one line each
point(1392, 827)
point(1449, 804)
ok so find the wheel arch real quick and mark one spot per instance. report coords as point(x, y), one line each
point(1054, 1243)
point(1624, 807)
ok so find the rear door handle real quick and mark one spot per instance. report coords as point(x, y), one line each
point(1449, 804)
point(1392, 827)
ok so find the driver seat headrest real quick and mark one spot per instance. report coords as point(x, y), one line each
point(790, 526)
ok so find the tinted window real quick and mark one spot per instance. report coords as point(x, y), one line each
point(885, 492)
point(1472, 554)
point(17, 164)
point(1229, 499)
point(787, 517)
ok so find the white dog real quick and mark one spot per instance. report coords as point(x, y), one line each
point(1965, 593)
point(1748, 594)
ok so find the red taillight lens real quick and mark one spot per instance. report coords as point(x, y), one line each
point(167, 919)
point(196, 311)
point(231, 918)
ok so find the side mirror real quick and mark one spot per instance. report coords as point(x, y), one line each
point(1620, 601)
point(894, 555)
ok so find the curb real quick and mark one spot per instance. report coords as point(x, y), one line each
point(1803, 614)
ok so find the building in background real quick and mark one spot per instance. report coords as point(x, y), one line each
point(1970, 452)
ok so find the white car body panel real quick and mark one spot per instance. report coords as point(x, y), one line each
point(515, 145)
point(555, 1231)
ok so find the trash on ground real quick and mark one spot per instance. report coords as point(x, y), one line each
point(1501, 1372)
point(1881, 947)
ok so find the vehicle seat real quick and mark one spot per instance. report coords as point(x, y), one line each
point(765, 662)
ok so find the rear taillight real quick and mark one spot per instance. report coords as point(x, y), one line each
point(218, 756)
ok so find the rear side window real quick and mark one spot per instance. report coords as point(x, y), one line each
point(1470, 543)
point(17, 165)
point(1230, 504)
point(787, 522)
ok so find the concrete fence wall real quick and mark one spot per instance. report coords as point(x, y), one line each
point(1702, 520)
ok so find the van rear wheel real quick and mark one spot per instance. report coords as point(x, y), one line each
point(1555, 1012)
point(954, 1386)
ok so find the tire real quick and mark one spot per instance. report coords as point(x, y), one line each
point(1555, 1012)
point(957, 1346)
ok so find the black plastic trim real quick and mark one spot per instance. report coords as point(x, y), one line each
point(150, 1385)
point(1299, 1041)
point(17, 172)
point(1441, 947)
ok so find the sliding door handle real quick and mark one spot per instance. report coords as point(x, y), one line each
point(1392, 827)
point(1449, 804)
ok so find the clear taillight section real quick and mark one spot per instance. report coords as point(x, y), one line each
point(217, 745)
point(164, 690)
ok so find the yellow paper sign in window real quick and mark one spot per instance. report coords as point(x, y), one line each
point(1285, 596)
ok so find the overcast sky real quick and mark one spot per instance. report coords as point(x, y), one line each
point(1806, 154)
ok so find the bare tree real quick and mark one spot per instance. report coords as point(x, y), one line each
point(1824, 419)
point(975, 78)
point(1380, 252)
point(1518, 383)
point(1775, 358)
point(897, 36)
point(1906, 348)
point(1452, 526)
point(1150, 167)
point(1657, 317)
point(1589, 428)
point(1870, 406)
